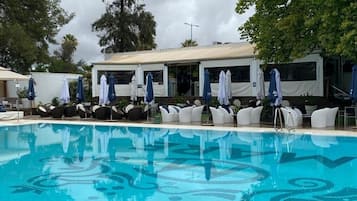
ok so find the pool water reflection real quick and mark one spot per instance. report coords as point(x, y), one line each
point(97, 162)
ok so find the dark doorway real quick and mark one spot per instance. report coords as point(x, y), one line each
point(183, 79)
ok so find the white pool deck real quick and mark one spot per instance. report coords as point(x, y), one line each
point(330, 132)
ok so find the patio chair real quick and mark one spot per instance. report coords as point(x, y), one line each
point(185, 115)
point(166, 115)
point(197, 113)
point(217, 116)
point(291, 117)
point(228, 114)
point(331, 117)
point(319, 118)
point(255, 115)
point(175, 110)
point(244, 116)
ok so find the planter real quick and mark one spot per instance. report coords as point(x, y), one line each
point(309, 109)
point(25, 103)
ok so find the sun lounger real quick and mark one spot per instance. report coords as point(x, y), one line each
point(10, 115)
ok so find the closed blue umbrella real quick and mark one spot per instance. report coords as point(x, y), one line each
point(31, 90)
point(149, 89)
point(80, 91)
point(111, 89)
point(353, 91)
point(275, 96)
point(206, 88)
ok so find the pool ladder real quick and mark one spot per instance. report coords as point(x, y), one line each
point(280, 127)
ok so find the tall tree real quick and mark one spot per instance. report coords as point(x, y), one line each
point(126, 26)
point(68, 47)
point(283, 30)
point(189, 43)
point(26, 29)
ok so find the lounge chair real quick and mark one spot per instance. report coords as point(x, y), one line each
point(185, 115)
point(197, 113)
point(43, 111)
point(244, 116)
point(82, 111)
point(57, 112)
point(136, 113)
point(117, 113)
point(69, 111)
point(102, 113)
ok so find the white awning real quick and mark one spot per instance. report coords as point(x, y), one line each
point(6, 74)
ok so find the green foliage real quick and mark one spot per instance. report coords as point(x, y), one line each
point(22, 93)
point(189, 43)
point(59, 66)
point(68, 47)
point(26, 29)
point(283, 30)
point(126, 26)
point(55, 101)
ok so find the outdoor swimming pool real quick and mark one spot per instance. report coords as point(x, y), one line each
point(45, 162)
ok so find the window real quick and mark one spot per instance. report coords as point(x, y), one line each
point(121, 77)
point(293, 71)
point(156, 75)
point(239, 73)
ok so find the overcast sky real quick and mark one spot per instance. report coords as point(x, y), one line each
point(217, 21)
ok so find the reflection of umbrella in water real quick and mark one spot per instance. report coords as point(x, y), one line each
point(65, 139)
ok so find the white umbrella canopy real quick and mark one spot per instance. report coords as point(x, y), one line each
point(65, 98)
point(6, 74)
point(133, 89)
point(228, 85)
point(222, 98)
point(103, 91)
point(260, 85)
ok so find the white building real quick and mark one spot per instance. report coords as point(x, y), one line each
point(181, 71)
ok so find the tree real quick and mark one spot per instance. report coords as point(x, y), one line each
point(68, 47)
point(283, 30)
point(126, 26)
point(189, 43)
point(26, 29)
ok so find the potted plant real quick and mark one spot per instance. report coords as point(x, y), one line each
point(22, 94)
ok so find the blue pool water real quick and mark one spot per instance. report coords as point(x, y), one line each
point(45, 162)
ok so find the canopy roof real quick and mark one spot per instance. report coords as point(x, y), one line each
point(6, 74)
point(180, 55)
